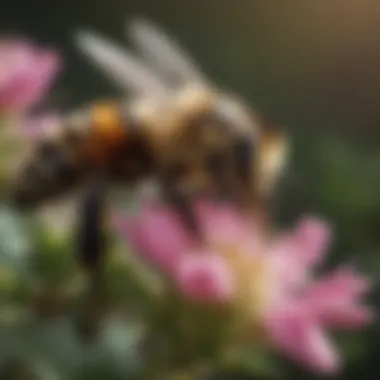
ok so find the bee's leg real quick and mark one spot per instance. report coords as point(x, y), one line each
point(182, 206)
point(91, 249)
point(219, 167)
point(91, 239)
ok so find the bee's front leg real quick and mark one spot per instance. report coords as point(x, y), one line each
point(182, 205)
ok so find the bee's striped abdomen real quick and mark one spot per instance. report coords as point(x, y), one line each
point(57, 163)
point(100, 138)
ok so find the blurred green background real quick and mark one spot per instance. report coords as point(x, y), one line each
point(311, 66)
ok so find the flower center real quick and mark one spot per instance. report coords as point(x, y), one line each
point(254, 280)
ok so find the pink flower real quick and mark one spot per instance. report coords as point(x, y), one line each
point(26, 72)
point(270, 282)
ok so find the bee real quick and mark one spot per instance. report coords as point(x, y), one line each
point(172, 126)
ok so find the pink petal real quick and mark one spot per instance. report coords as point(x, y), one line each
point(223, 224)
point(26, 72)
point(348, 317)
point(335, 300)
point(204, 276)
point(313, 237)
point(343, 283)
point(157, 234)
point(298, 251)
point(296, 335)
point(292, 272)
point(30, 86)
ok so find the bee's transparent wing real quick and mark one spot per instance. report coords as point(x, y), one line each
point(126, 71)
point(164, 54)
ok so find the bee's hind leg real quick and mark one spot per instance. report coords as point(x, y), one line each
point(91, 246)
point(220, 170)
point(90, 234)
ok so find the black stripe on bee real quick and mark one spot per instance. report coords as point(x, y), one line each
point(58, 161)
point(133, 160)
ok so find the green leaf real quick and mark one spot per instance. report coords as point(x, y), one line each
point(54, 259)
point(256, 361)
point(15, 241)
point(128, 279)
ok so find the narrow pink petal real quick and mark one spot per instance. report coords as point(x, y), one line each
point(346, 317)
point(343, 285)
point(204, 276)
point(299, 250)
point(292, 271)
point(223, 224)
point(295, 334)
point(313, 236)
point(157, 234)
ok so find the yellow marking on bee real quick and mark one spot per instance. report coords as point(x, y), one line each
point(108, 130)
point(108, 123)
